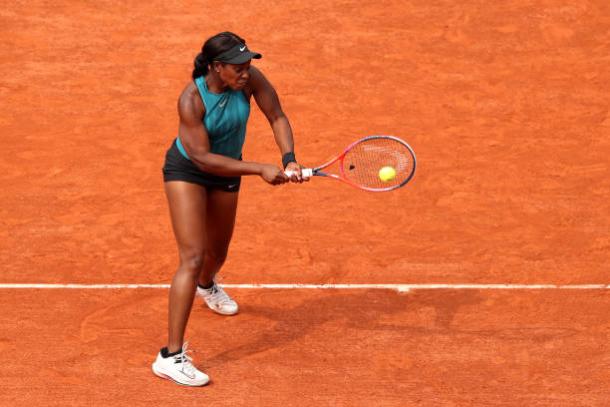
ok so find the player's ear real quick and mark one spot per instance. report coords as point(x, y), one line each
point(216, 66)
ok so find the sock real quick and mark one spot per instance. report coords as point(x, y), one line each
point(206, 288)
point(166, 354)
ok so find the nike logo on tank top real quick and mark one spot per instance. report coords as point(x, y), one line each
point(225, 119)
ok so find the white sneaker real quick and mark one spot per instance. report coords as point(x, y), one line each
point(179, 369)
point(218, 300)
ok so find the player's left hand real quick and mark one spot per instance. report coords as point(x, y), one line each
point(296, 175)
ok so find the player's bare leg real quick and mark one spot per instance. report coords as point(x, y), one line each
point(187, 204)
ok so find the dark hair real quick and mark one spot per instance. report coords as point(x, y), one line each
point(213, 47)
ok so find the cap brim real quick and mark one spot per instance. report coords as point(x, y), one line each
point(243, 57)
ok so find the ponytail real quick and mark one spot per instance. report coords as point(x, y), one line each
point(201, 66)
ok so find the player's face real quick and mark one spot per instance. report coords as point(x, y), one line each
point(235, 76)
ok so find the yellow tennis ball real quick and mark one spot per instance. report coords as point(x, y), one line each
point(387, 174)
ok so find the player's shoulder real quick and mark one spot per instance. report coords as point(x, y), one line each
point(257, 81)
point(254, 70)
point(189, 102)
point(256, 75)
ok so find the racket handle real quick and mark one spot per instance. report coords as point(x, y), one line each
point(305, 172)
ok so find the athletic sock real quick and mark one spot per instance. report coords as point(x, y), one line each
point(206, 288)
point(166, 354)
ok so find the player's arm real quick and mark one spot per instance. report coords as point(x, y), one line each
point(194, 138)
point(269, 103)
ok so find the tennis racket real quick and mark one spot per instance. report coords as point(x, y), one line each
point(373, 163)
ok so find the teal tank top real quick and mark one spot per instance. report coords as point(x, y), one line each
point(225, 119)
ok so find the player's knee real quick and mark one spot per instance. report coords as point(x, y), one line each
point(216, 257)
point(192, 260)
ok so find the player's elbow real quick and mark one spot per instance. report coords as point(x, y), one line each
point(276, 117)
point(204, 160)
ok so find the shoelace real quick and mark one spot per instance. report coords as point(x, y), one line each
point(185, 360)
point(219, 295)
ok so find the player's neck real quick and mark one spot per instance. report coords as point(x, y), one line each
point(214, 83)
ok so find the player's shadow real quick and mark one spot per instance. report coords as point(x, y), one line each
point(358, 310)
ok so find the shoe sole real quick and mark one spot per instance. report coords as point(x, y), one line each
point(164, 376)
point(222, 313)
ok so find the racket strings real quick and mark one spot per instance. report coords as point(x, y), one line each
point(363, 162)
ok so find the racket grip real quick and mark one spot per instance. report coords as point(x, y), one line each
point(305, 172)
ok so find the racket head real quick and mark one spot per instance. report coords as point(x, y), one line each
point(361, 163)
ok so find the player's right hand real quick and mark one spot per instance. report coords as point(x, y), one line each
point(273, 174)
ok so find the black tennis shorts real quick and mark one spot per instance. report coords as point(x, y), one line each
point(179, 168)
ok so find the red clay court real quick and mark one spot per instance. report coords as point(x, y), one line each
point(501, 240)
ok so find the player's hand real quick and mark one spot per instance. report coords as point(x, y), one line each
point(296, 175)
point(273, 175)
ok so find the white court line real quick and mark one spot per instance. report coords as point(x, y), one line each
point(396, 287)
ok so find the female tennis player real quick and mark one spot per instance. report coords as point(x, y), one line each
point(202, 175)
